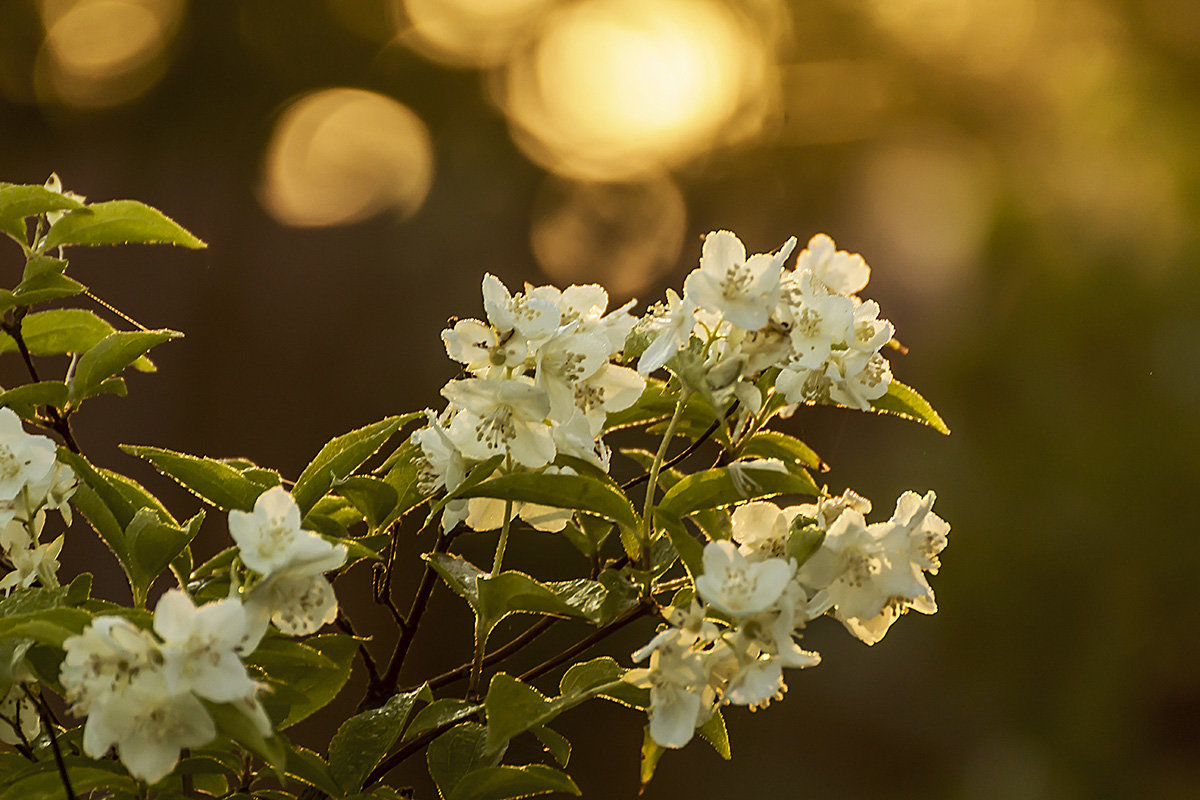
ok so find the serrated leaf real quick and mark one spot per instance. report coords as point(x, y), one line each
point(58, 331)
point(736, 483)
point(314, 687)
point(459, 574)
point(43, 393)
point(42, 781)
point(514, 707)
point(40, 288)
point(231, 722)
point(118, 222)
point(560, 491)
point(713, 731)
point(375, 499)
point(506, 782)
point(438, 713)
point(363, 740)
point(456, 753)
point(110, 355)
point(652, 751)
point(510, 592)
point(341, 456)
point(151, 545)
point(18, 201)
point(403, 474)
point(557, 745)
point(788, 449)
point(904, 401)
point(211, 480)
point(305, 765)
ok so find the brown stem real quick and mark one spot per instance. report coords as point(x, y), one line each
point(584, 644)
point(44, 715)
point(59, 423)
point(368, 660)
point(499, 654)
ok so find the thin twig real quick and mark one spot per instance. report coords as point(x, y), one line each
point(368, 660)
point(60, 424)
point(516, 644)
point(39, 704)
point(584, 644)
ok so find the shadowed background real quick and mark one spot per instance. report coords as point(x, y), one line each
point(1020, 174)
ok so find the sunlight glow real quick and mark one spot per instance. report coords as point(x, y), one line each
point(477, 33)
point(614, 89)
point(339, 156)
point(100, 53)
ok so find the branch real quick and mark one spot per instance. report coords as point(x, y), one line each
point(584, 644)
point(499, 654)
point(40, 704)
point(687, 451)
point(11, 324)
point(368, 660)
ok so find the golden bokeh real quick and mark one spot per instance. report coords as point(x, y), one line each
point(615, 89)
point(624, 236)
point(100, 53)
point(338, 156)
point(474, 33)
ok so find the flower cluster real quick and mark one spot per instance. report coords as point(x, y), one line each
point(144, 694)
point(292, 591)
point(761, 589)
point(32, 482)
point(740, 316)
point(542, 381)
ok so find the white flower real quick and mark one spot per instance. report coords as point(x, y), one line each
point(914, 539)
point(564, 362)
point(270, 538)
point(762, 529)
point(31, 560)
point(199, 647)
point(148, 725)
point(870, 332)
point(819, 322)
point(738, 587)
point(801, 384)
point(744, 291)
point(443, 467)
point(840, 272)
point(476, 345)
point(54, 184)
point(680, 695)
point(24, 459)
point(674, 326)
point(533, 318)
point(301, 603)
point(827, 509)
point(612, 388)
point(104, 659)
point(498, 417)
point(857, 378)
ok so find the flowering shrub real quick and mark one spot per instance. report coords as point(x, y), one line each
point(194, 695)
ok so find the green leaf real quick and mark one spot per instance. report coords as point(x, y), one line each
point(101, 518)
point(403, 473)
point(505, 782)
point(363, 740)
point(725, 486)
point(715, 734)
point(514, 707)
point(904, 401)
point(652, 751)
point(18, 201)
point(48, 626)
point(804, 541)
point(438, 713)
point(231, 722)
point(110, 355)
point(340, 457)
point(305, 765)
point(39, 289)
point(42, 781)
point(691, 552)
point(560, 491)
point(788, 449)
point(313, 687)
point(457, 752)
point(459, 574)
point(43, 393)
point(557, 745)
point(210, 480)
point(374, 498)
point(117, 222)
point(510, 592)
point(59, 331)
point(151, 545)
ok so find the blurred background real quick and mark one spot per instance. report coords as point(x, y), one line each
point(1022, 175)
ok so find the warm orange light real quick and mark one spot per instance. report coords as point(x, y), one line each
point(477, 33)
point(104, 52)
point(622, 236)
point(338, 156)
point(614, 89)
